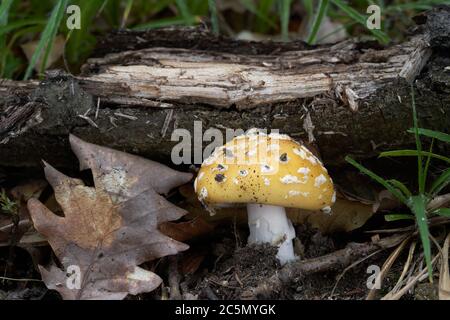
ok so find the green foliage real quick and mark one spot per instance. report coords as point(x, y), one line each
point(5, 6)
point(48, 35)
point(214, 16)
point(7, 205)
point(23, 21)
point(433, 134)
point(396, 217)
point(285, 10)
point(321, 11)
point(81, 42)
point(417, 203)
point(403, 153)
point(361, 19)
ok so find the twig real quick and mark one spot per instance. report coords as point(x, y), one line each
point(386, 267)
point(236, 276)
point(20, 280)
point(166, 123)
point(89, 120)
point(432, 222)
point(406, 267)
point(97, 108)
point(417, 278)
point(126, 116)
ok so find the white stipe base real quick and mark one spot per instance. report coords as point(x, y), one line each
point(269, 224)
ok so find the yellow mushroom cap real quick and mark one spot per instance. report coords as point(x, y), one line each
point(267, 169)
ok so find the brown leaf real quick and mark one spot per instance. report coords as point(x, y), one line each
point(28, 190)
point(110, 229)
point(136, 173)
point(191, 261)
point(347, 215)
point(186, 230)
point(385, 201)
point(56, 52)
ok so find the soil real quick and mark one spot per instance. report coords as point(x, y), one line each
point(233, 268)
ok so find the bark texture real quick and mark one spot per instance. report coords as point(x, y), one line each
point(346, 98)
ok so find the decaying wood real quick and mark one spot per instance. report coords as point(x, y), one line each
point(161, 77)
point(348, 98)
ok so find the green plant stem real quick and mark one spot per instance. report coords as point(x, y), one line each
point(321, 11)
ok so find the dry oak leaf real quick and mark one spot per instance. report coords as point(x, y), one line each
point(108, 230)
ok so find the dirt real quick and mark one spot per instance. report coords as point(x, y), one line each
point(229, 272)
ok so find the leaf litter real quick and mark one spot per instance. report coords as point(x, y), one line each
point(110, 229)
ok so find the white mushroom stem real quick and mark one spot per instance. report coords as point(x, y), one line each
point(269, 224)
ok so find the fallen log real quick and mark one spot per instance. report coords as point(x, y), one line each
point(346, 98)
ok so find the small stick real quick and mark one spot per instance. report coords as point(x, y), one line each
point(166, 123)
point(236, 276)
point(89, 120)
point(97, 109)
point(126, 116)
point(20, 280)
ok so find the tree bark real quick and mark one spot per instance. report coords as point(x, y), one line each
point(347, 98)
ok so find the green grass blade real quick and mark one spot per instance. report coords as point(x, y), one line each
point(378, 179)
point(80, 42)
point(166, 22)
point(444, 212)
point(321, 11)
point(250, 6)
point(355, 15)
point(407, 153)
point(264, 20)
point(12, 63)
point(440, 183)
point(5, 6)
point(214, 16)
point(427, 164)
point(432, 134)
point(420, 174)
point(48, 35)
point(401, 186)
point(20, 24)
point(126, 13)
point(417, 205)
point(397, 217)
point(309, 7)
point(285, 12)
point(185, 13)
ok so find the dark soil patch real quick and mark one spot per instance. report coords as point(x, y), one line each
point(233, 271)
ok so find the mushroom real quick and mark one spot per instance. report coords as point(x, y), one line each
point(267, 173)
